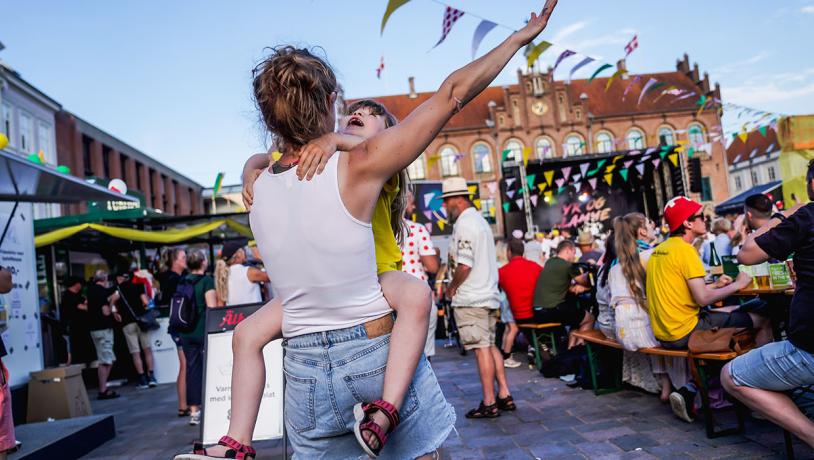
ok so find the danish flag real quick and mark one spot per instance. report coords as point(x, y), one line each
point(380, 68)
point(632, 45)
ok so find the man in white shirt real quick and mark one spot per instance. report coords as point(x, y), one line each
point(474, 294)
point(419, 259)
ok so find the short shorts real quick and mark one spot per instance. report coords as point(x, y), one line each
point(103, 341)
point(134, 337)
point(476, 326)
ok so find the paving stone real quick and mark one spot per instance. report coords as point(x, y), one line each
point(557, 450)
point(634, 441)
point(604, 435)
point(596, 449)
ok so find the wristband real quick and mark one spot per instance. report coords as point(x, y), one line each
point(779, 215)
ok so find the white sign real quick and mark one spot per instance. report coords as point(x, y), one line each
point(21, 306)
point(165, 353)
point(217, 395)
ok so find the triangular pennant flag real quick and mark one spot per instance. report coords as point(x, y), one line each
point(536, 51)
point(505, 154)
point(560, 181)
point(510, 193)
point(533, 200)
point(663, 153)
point(583, 168)
point(690, 152)
point(428, 215)
point(526, 155)
point(428, 199)
point(628, 163)
point(601, 69)
point(510, 181)
point(428, 226)
point(441, 224)
point(576, 177)
point(640, 168)
point(472, 189)
point(743, 136)
point(483, 28)
point(674, 159)
point(560, 190)
point(530, 180)
point(549, 194)
point(276, 155)
point(566, 172)
point(646, 87)
point(506, 207)
point(563, 56)
point(548, 176)
point(617, 158)
point(392, 6)
point(623, 173)
point(476, 202)
point(519, 202)
point(492, 211)
point(609, 179)
point(492, 186)
point(600, 163)
point(650, 150)
point(593, 183)
point(633, 81)
point(615, 75)
point(431, 160)
point(610, 168)
point(656, 162)
point(542, 186)
point(451, 15)
point(578, 186)
point(581, 64)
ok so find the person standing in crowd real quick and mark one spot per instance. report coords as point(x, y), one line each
point(676, 293)
point(556, 290)
point(192, 342)
point(587, 247)
point(132, 303)
point(173, 270)
point(724, 232)
point(757, 211)
point(762, 377)
point(8, 440)
point(235, 282)
point(420, 260)
point(101, 297)
point(474, 294)
point(517, 279)
point(73, 315)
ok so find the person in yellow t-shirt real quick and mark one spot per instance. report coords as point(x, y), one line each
point(677, 292)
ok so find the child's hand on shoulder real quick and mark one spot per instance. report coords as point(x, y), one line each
point(248, 187)
point(315, 155)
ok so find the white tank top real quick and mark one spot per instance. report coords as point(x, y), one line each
point(241, 290)
point(320, 257)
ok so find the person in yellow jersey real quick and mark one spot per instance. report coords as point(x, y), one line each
point(677, 293)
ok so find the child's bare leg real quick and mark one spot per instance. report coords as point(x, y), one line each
point(411, 298)
point(508, 337)
point(249, 370)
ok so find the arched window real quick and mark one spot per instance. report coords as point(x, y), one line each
point(449, 163)
point(574, 145)
point(635, 139)
point(604, 142)
point(695, 134)
point(666, 136)
point(515, 148)
point(482, 155)
point(416, 170)
point(544, 148)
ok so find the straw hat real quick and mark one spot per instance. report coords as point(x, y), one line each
point(454, 186)
point(585, 238)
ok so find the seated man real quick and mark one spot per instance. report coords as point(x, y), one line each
point(517, 279)
point(555, 295)
point(676, 292)
point(760, 377)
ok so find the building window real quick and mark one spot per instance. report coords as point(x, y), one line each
point(666, 136)
point(139, 185)
point(544, 148)
point(487, 208)
point(482, 155)
point(695, 134)
point(515, 148)
point(754, 178)
point(8, 124)
point(574, 145)
point(449, 163)
point(516, 112)
point(26, 133)
point(635, 139)
point(106, 160)
point(416, 170)
point(45, 142)
point(738, 184)
point(706, 189)
point(86, 156)
point(772, 173)
point(604, 143)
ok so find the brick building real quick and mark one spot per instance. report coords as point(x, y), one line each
point(559, 119)
point(754, 162)
point(89, 151)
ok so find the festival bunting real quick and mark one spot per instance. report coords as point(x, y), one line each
point(601, 69)
point(218, 184)
point(510, 181)
point(548, 176)
point(583, 168)
point(633, 81)
point(578, 186)
point(560, 182)
point(593, 183)
point(535, 52)
point(530, 181)
point(609, 179)
point(763, 130)
point(519, 203)
point(623, 173)
point(566, 172)
point(640, 168)
point(451, 15)
point(563, 56)
point(656, 162)
point(526, 155)
point(542, 186)
point(506, 207)
point(510, 193)
point(646, 87)
point(533, 200)
point(581, 64)
point(505, 155)
point(576, 177)
point(613, 77)
point(492, 186)
point(276, 155)
point(431, 160)
point(392, 6)
point(674, 159)
point(630, 47)
point(483, 28)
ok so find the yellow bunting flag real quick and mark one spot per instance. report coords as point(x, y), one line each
point(392, 6)
point(609, 179)
point(549, 194)
point(679, 149)
point(549, 175)
point(610, 168)
point(441, 224)
point(492, 211)
point(682, 142)
point(535, 52)
point(616, 74)
point(472, 189)
point(526, 154)
point(542, 186)
point(674, 159)
point(743, 136)
point(431, 160)
point(476, 202)
point(276, 155)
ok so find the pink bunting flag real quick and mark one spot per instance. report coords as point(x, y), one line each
point(451, 15)
point(533, 199)
point(519, 203)
point(633, 81)
point(576, 177)
point(578, 186)
point(492, 186)
point(566, 171)
point(560, 181)
point(656, 162)
point(583, 168)
point(428, 225)
point(428, 215)
point(510, 181)
point(685, 96)
point(628, 163)
point(592, 181)
point(640, 168)
point(650, 150)
point(647, 86)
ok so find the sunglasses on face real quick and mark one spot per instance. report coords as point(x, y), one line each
point(696, 217)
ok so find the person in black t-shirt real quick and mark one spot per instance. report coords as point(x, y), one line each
point(132, 303)
point(101, 319)
point(73, 315)
point(761, 377)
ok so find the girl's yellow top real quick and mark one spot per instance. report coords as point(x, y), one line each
point(388, 252)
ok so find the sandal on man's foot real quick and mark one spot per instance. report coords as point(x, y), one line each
point(484, 411)
point(184, 412)
point(506, 404)
point(236, 451)
point(108, 394)
point(362, 412)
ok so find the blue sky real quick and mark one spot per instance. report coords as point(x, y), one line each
point(173, 78)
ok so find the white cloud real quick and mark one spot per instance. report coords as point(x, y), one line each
point(756, 95)
point(565, 37)
point(807, 9)
point(738, 65)
point(568, 30)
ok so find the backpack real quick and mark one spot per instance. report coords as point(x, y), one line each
point(184, 314)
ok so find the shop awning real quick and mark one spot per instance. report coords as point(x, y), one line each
point(734, 205)
point(27, 182)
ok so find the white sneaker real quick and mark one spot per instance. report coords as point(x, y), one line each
point(511, 363)
point(195, 418)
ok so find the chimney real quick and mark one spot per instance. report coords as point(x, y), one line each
point(411, 82)
point(705, 83)
point(683, 65)
point(695, 73)
point(622, 65)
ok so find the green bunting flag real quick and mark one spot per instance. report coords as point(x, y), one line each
point(599, 70)
point(663, 153)
point(623, 173)
point(506, 207)
point(561, 189)
point(506, 154)
point(763, 130)
point(690, 152)
point(599, 165)
point(530, 181)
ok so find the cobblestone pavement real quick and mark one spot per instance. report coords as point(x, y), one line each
point(552, 421)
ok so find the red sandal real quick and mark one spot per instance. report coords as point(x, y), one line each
point(236, 451)
point(361, 412)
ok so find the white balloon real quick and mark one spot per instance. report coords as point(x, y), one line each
point(117, 185)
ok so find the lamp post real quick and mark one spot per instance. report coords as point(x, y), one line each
point(584, 98)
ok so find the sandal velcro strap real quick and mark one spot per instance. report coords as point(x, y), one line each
point(387, 409)
point(229, 442)
point(376, 430)
point(198, 448)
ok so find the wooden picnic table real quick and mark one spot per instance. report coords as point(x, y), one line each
point(753, 291)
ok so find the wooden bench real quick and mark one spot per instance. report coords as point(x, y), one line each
point(698, 363)
point(539, 332)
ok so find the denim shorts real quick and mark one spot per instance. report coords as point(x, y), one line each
point(327, 373)
point(777, 366)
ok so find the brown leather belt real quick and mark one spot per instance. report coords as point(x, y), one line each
point(379, 327)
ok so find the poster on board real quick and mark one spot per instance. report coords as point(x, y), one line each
point(429, 207)
point(220, 324)
point(19, 309)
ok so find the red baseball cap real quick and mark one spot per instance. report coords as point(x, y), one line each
point(678, 210)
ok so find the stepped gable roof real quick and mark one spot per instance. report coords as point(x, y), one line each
point(756, 145)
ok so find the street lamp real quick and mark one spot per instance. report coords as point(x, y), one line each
point(584, 98)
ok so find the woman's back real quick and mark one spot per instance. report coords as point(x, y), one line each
point(320, 257)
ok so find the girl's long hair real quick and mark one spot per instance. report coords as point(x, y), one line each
point(627, 251)
point(608, 258)
point(222, 281)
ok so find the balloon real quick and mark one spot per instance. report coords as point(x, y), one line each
point(64, 169)
point(34, 158)
point(3, 141)
point(117, 185)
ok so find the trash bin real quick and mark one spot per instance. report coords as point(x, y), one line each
point(57, 393)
